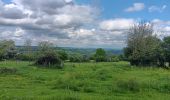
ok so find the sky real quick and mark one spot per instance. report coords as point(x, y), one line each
point(80, 23)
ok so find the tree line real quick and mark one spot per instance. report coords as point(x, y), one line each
point(47, 55)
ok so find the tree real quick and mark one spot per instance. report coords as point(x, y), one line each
point(166, 48)
point(45, 46)
point(142, 45)
point(48, 56)
point(100, 55)
point(27, 46)
point(50, 60)
point(7, 49)
point(27, 55)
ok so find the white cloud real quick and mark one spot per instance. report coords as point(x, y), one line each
point(60, 21)
point(167, 28)
point(19, 32)
point(116, 24)
point(14, 33)
point(157, 9)
point(85, 32)
point(68, 1)
point(161, 27)
point(52, 17)
point(135, 7)
point(65, 23)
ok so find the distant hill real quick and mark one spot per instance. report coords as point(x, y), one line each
point(73, 50)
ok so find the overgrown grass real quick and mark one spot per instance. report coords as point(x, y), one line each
point(83, 81)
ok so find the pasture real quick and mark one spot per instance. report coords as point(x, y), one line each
point(83, 81)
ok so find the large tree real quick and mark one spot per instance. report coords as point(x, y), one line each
point(142, 45)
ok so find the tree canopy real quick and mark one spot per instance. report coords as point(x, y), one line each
point(143, 46)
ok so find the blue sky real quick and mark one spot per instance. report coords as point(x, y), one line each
point(78, 23)
point(115, 8)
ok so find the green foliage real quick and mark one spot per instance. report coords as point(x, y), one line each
point(63, 55)
point(7, 49)
point(166, 48)
point(143, 48)
point(100, 55)
point(79, 58)
point(114, 58)
point(85, 58)
point(26, 57)
point(50, 60)
point(48, 56)
point(75, 58)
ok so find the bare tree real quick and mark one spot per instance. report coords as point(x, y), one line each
point(28, 46)
point(45, 46)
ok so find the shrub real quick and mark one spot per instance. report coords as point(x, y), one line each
point(130, 85)
point(100, 59)
point(4, 70)
point(26, 57)
point(49, 59)
point(103, 75)
point(75, 59)
point(85, 58)
point(68, 84)
point(79, 58)
point(113, 58)
point(63, 55)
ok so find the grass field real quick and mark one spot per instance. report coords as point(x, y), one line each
point(83, 81)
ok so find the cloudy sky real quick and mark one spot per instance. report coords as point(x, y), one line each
point(80, 23)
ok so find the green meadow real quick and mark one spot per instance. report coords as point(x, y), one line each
point(83, 81)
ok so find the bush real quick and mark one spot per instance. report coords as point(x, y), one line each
point(73, 85)
point(113, 58)
point(68, 84)
point(75, 59)
point(63, 55)
point(130, 85)
point(85, 58)
point(79, 58)
point(26, 57)
point(4, 70)
point(49, 59)
point(100, 59)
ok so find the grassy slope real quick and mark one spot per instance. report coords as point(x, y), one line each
point(86, 81)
